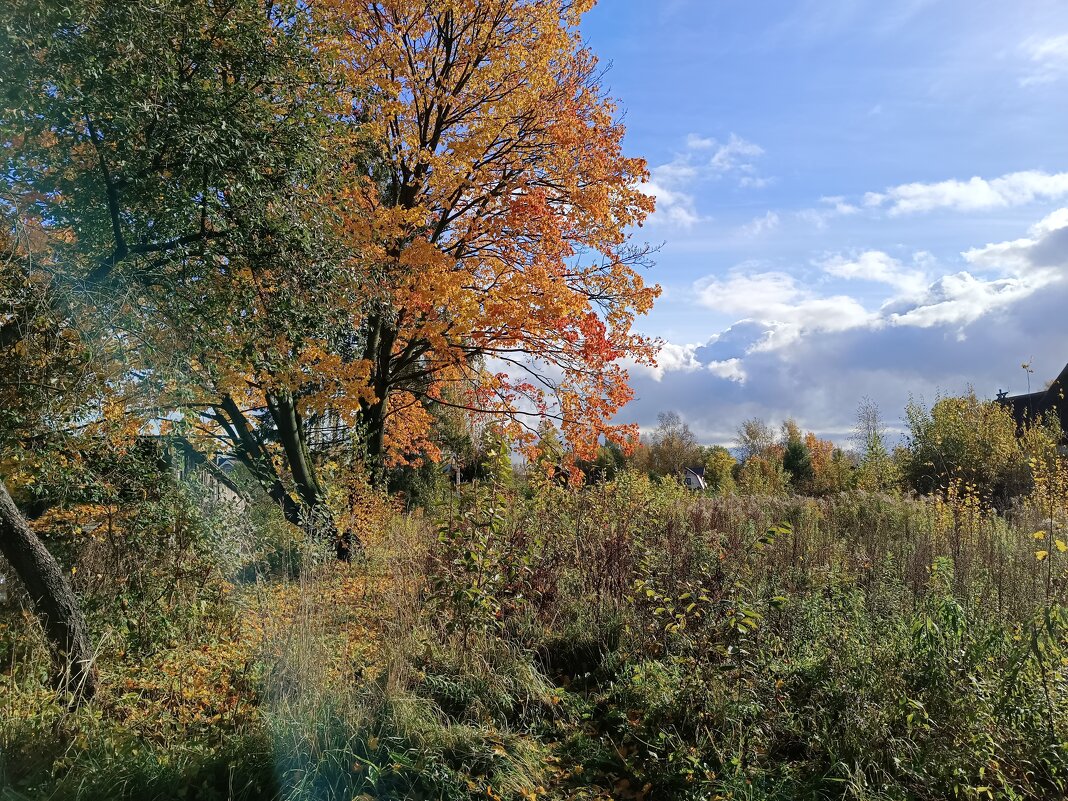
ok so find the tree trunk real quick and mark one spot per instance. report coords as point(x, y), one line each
point(309, 509)
point(373, 417)
point(313, 507)
point(378, 350)
point(53, 600)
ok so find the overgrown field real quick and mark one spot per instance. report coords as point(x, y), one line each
point(624, 640)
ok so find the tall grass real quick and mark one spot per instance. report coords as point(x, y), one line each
point(625, 640)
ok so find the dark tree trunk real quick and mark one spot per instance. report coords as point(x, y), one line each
point(313, 506)
point(379, 351)
point(373, 416)
point(290, 430)
point(53, 600)
point(309, 510)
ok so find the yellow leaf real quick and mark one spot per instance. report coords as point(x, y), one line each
point(1039, 535)
point(1062, 546)
point(1041, 555)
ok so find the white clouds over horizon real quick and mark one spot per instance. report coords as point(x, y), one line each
point(796, 352)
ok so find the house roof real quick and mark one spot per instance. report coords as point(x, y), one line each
point(1049, 401)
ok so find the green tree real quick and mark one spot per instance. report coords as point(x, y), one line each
point(55, 369)
point(797, 458)
point(188, 162)
point(797, 461)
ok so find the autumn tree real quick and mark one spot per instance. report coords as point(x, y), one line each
point(755, 438)
point(550, 450)
point(763, 475)
point(497, 222)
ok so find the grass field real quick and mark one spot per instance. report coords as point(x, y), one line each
point(626, 640)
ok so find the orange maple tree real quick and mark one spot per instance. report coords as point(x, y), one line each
point(496, 220)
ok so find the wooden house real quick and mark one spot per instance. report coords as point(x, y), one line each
point(694, 478)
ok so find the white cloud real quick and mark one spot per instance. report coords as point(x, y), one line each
point(744, 292)
point(696, 142)
point(676, 208)
point(874, 265)
point(760, 225)
point(735, 154)
point(961, 299)
point(776, 300)
point(672, 183)
point(672, 358)
point(731, 369)
point(774, 309)
point(796, 350)
point(839, 205)
point(975, 194)
point(1045, 249)
point(1048, 57)
point(1054, 221)
point(677, 357)
point(834, 206)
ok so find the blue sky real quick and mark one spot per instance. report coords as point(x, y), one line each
point(854, 199)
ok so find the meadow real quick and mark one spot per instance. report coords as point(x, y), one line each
point(520, 639)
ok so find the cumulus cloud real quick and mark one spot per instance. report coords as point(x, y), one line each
point(961, 299)
point(879, 267)
point(734, 343)
point(796, 352)
point(672, 358)
point(975, 194)
point(821, 379)
point(786, 308)
point(1046, 248)
point(730, 369)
